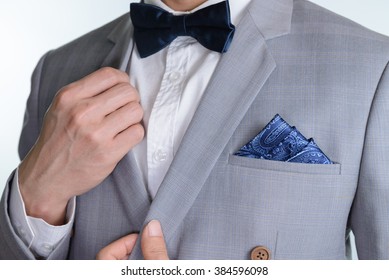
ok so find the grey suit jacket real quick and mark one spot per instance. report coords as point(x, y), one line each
point(320, 72)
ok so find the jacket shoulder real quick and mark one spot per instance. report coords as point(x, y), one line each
point(311, 19)
point(93, 40)
point(81, 56)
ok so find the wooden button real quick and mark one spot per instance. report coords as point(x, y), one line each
point(260, 253)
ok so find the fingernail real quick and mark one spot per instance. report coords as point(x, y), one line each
point(154, 229)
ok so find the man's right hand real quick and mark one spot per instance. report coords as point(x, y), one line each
point(90, 126)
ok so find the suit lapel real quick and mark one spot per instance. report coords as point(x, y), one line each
point(237, 80)
point(127, 177)
point(121, 37)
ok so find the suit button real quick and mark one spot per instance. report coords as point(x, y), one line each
point(260, 253)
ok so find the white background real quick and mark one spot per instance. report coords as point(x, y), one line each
point(29, 28)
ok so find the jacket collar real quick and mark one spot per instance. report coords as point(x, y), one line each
point(272, 17)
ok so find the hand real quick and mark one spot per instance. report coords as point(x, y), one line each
point(152, 243)
point(90, 126)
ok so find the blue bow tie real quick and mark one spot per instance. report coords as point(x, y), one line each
point(155, 28)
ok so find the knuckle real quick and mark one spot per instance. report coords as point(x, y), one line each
point(108, 71)
point(67, 95)
point(76, 119)
point(157, 253)
point(128, 91)
point(63, 97)
point(124, 88)
point(133, 93)
point(94, 138)
point(77, 115)
point(109, 74)
point(138, 132)
point(114, 75)
point(136, 111)
point(123, 75)
point(80, 114)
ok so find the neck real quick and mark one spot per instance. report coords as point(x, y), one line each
point(183, 5)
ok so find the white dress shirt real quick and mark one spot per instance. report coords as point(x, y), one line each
point(171, 84)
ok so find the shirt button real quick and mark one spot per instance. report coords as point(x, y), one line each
point(174, 76)
point(260, 253)
point(47, 247)
point(160, 155)
point(22, 232)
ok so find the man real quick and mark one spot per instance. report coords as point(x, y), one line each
point(85, 122)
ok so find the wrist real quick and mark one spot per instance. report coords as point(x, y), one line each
point(51, 212)
point(39, 200)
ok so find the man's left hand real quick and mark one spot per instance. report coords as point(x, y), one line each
point(152, 243)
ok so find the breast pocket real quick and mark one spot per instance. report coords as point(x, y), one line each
point(290, 167)
point(307, 204)
point(293, 187)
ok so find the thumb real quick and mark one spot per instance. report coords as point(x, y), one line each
point(153, 243)
point(119, 249)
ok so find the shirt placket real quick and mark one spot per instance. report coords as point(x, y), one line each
point(161, 129)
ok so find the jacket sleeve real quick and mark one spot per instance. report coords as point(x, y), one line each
point(369, 217)
point(12, 247)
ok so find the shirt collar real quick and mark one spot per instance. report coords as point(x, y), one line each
point(237, 7)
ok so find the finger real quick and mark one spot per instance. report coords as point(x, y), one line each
point(98, 82)
point(153, 243)
point(123, 118)
point(119, 249)
point(127, 139)
point(114, 98)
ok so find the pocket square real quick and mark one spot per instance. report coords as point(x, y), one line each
point(281, 142)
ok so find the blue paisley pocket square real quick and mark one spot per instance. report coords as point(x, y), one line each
point(281, 142)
